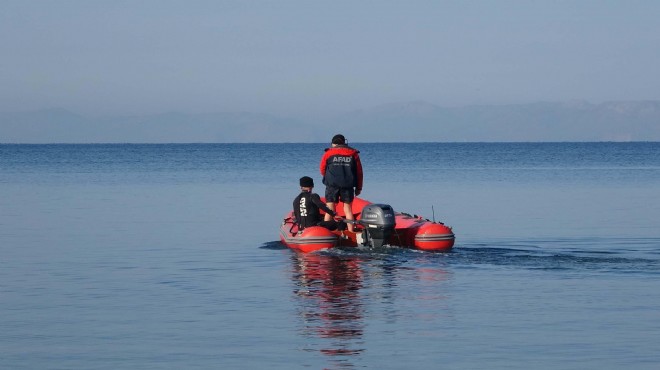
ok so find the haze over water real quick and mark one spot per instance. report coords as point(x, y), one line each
point(166, 256)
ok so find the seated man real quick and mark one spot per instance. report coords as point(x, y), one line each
point(306, 208)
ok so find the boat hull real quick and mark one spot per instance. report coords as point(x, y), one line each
point(411, 231)
point(309, 240)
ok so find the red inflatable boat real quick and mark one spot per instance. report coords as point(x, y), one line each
point(376, 224)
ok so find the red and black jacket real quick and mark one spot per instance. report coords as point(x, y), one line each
point(341, 167)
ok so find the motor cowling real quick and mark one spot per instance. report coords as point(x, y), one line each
point(378, 221)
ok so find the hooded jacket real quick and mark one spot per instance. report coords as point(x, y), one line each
point(341, 167)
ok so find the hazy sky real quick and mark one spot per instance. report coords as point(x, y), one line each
point(316, 57)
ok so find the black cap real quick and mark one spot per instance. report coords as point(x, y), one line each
point(339, 139)
point(306, 182)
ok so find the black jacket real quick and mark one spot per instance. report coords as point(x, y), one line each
point(306, 209)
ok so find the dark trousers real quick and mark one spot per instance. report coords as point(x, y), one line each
point(333, 225)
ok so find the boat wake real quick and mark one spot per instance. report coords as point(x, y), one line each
point(596, 255)
point(640, 255)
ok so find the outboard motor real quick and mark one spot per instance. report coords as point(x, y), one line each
point(378, 222)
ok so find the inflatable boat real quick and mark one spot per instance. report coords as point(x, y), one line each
point(375, 225)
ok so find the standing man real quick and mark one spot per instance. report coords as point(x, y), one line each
point(342, 175)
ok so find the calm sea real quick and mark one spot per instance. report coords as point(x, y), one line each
point(166, 257)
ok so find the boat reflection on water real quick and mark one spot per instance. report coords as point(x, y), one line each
point(336, 296)
point(328, 290)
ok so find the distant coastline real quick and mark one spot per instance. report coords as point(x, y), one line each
point(418, 121)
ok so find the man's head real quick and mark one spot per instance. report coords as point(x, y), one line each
point(306, 182)
point(339, 139)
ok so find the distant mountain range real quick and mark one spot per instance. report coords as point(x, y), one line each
point(398, 122)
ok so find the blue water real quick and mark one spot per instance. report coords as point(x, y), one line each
point(166, 257)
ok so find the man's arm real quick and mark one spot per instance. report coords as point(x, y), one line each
point(324, 161)
point(317, 200)
point(358, 164)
